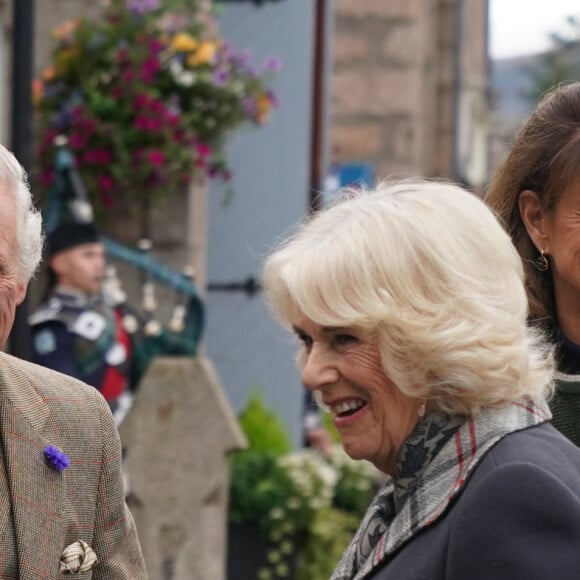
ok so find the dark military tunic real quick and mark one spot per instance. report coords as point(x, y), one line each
point(86, 337)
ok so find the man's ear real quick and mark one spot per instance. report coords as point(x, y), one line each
point(533, 215)
point(21, 292)
point(57, 263)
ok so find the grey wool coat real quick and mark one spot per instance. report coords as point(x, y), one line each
point(517, 518)
point(44, 510)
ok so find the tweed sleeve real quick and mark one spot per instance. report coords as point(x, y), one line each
point(115, 537)
point(520, 523)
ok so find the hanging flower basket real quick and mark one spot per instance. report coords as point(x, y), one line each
point(147, 96)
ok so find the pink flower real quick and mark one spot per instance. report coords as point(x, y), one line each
point(88, 126)
point(141, 100)
point(106, 183)
point(128, 76)
point(145, 123)
point(172, 119)
point(149, 69)
point(203, 150)
point(77, 140)
point(77, 112)
point(155, 46)
point(47, 177)
point(156, 158)
point(107, 199)
point(122, 53)
point(97, 157)
point(157, 106)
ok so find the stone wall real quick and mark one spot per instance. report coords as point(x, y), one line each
point(399, 68)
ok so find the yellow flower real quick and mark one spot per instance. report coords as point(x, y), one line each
point(68, 54)
point(48, 73)
point(37, 89)
point(183, 42)
point(263, 106)
point(65, 30)
point(203, 55)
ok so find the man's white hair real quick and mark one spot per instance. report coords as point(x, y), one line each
point(14, 181)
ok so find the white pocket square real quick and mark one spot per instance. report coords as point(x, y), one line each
point(78, 557)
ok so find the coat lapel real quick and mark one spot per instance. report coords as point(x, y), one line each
point(37, 492)
point(442, 481)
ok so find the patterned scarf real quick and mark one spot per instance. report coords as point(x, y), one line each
point(432, 468)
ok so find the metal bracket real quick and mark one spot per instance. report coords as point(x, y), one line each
point(256, 2)
point(249, 286)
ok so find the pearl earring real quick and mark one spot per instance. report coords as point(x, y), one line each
point(421, 411)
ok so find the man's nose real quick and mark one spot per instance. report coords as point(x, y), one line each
point(319, 369)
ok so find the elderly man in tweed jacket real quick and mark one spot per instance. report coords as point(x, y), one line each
point(62, 508)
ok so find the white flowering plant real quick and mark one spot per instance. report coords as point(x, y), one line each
point(281, 494)
point(356, 482)
point(288, 494)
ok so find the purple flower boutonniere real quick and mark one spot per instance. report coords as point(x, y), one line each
point(56, 458)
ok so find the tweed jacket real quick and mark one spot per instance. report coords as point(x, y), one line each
point(517, 518)
point(52, 509)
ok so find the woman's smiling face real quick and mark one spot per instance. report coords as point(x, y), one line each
point(372, 416)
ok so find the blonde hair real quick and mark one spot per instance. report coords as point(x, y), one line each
point(426, 266)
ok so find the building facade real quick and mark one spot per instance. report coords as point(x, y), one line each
point(410, 87)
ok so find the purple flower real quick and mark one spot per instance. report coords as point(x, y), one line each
point(251, 71)
point(56, 458)
point(140, 7)
point(249, 106)
point(274, 101)
point(273, 64)
point(63, 118)
point(221, 78)
point(243, 56)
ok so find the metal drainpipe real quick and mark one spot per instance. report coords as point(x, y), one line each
point(21, 135)
point(457, 87)
point(488, 88)
point(317, 156)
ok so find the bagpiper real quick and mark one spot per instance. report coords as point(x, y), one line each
point(84, 328)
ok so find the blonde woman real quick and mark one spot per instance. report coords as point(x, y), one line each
point(410, 309)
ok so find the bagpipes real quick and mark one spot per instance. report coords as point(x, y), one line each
point(68, 200)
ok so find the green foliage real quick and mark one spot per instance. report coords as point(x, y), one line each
point(558, 65)
point(258, 486)
point(329, 535)
point(263, 429)
point(329, 426)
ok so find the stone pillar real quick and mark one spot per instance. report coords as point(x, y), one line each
point(178, 436)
